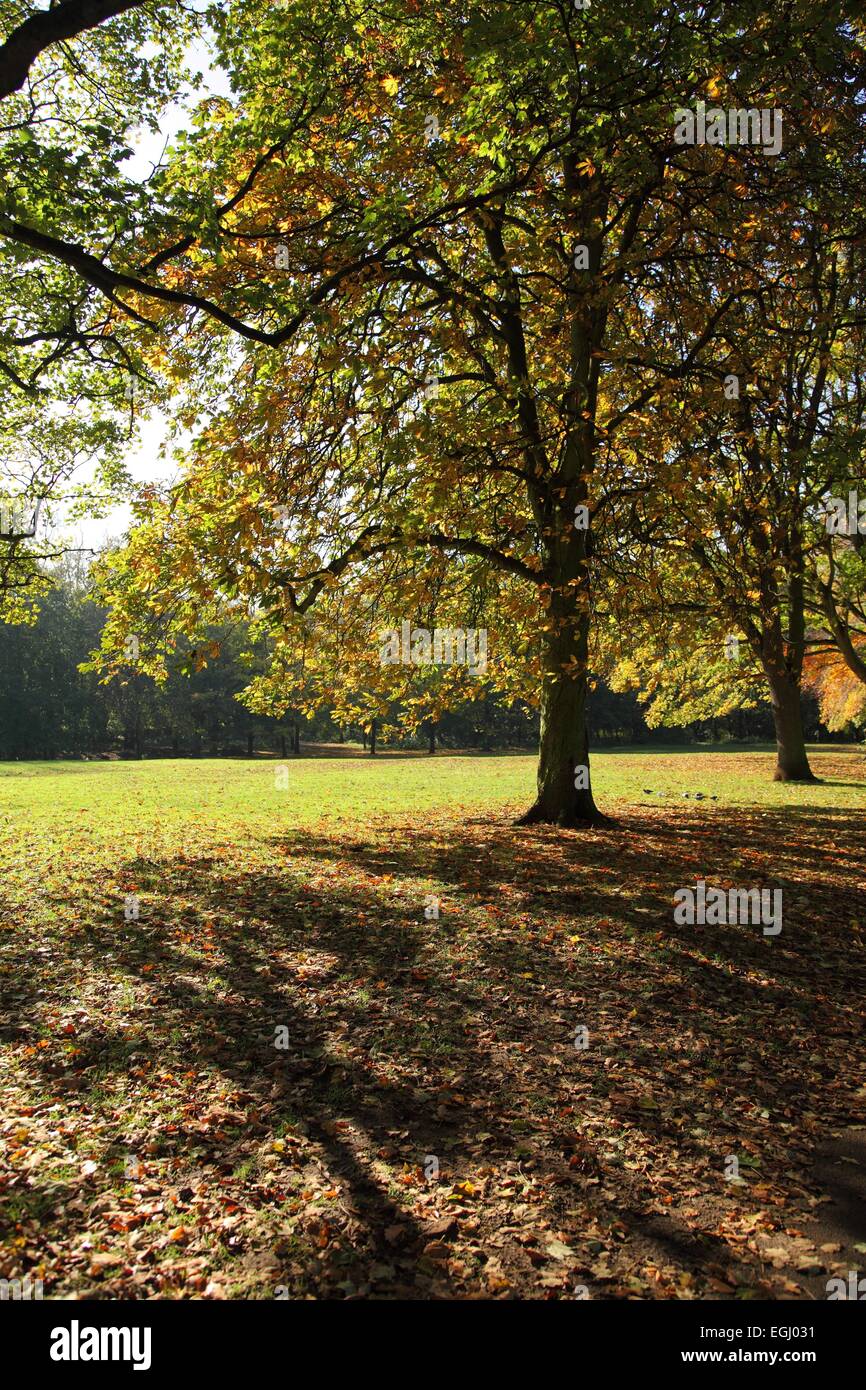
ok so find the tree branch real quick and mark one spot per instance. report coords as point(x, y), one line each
point(24, 45)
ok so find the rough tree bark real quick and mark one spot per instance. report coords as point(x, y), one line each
point(792, 761)
point(555, 488)
point(782, 660)
point(564, 782)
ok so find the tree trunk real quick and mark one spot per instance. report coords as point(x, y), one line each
point(250, 740)
point(432, 743)
point(782, 660)
point(296, 738)
point(282, 745)
point(564, 786)
point(373, 739)
point(562, 512)
point(842, 635)
point(792, 762)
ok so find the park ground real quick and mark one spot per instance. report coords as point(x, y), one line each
point(427, 1126)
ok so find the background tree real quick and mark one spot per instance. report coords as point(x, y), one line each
point(730, 521)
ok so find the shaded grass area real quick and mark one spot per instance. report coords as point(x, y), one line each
point(426, 1125)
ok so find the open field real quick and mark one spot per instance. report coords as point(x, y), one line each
point(427, 1126)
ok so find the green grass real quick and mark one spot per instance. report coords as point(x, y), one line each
point(303, 908)
point(175, 797)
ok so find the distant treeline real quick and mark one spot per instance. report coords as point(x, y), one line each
point(50, 709)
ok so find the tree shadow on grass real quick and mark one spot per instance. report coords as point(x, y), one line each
point(412, 1039)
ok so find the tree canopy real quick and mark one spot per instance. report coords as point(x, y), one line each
point(450, 313)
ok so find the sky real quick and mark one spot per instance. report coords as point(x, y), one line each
point(146, 462)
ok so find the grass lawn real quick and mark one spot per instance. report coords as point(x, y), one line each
point(426, 1126)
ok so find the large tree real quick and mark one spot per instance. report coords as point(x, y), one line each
point(479, 200)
